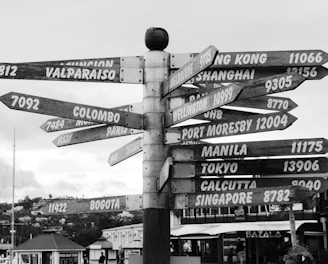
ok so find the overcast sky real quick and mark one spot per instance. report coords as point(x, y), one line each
point(80, 29)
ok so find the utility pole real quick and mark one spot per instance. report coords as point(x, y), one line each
point(12, 231)
point(292, 227)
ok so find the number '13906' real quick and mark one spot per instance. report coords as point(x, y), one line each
point(301, 166)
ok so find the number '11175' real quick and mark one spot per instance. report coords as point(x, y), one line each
point(307, 146)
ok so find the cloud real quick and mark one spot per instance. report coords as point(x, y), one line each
point(26, 183)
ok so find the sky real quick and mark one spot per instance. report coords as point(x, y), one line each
point(81, 29)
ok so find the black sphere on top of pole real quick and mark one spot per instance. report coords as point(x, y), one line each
point(156, 38)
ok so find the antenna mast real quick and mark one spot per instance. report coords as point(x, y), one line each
point(12, 231)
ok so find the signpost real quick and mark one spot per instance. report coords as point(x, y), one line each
point(93, 134)
point(232, 75)
point(224, 114)
point(239, 126)
point(250, 167)
point(70, 73)
point(288, 147)
point(257, 74)
point(59, 124)
point(126, 151)
point(115, 62)
point(187, 90)
point(45, 106)
point(259, 58)
point(256, 196)
point(254, 88)
point(191, 68)
point(316, 184)
point(276, 103)
point(206, 103)
point(164, 173)
point(232, 93)
point(93, 205)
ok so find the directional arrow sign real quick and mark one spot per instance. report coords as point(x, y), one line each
point(231, 75)
point(93, 134)
point(59, 124)
point(276, 103)
point(257, 196)
point(294, 147)
point(116, 62)
point(250, 167)
point(94, 205)
point(223, 114)
point(313, 184)
point(70, 73)
point(215, 99)
point(269, 85)
point(240, 126)
point(164, 173)
point(126, 151)
point(191, 68)
point(251, 89)
point(52, 107)
point(259, 87)
point(259, 58)
point(188, 90)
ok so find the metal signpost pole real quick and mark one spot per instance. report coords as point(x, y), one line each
point(156, 212)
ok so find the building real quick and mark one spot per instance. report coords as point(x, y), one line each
point(102, 245)
point(49, 248)
point(264, 232)
point(125, 238)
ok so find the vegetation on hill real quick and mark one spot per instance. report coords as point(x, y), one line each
point(83, 229)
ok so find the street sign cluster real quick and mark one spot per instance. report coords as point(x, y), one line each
point(221, 82)
point(252, 77)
